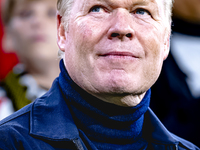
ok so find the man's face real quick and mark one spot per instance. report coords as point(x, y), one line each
point(115, 48)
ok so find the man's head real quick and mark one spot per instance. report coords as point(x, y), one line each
point(30, 29)
point(114, 49)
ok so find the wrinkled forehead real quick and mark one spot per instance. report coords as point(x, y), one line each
point(157, 5)
point(159, 2)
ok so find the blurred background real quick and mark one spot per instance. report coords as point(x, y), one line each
point(7, 60)
point(176, 95)
point(29, 53)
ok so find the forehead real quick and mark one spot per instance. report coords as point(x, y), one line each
point(121, 2)
point(23, 3)
point(158, 5)
point(155, 5)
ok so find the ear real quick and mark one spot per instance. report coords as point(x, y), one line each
point(7, 40)
point(166, 46)
point(61, 38)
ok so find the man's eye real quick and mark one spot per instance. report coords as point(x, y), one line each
point(96, 9)
point(142, 12)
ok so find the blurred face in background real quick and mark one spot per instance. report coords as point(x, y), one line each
point(32, 29)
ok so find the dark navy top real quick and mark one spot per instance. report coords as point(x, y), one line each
point(51, 123)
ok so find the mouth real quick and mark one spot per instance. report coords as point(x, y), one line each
point(122, 55)
point(38, 38)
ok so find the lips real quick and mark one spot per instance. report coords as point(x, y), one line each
point(38, 38)
point(119, 54)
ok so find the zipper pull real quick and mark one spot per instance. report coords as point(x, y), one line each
point(78, 144)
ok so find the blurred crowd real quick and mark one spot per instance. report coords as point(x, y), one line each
point(5, 66)
point(29, 43)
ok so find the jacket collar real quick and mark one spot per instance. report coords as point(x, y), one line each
point(51, 119)
point(155, 132)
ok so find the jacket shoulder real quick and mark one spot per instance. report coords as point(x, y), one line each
point(14, 128)
point(161, 136)
point(184, 144)
point(16, 115)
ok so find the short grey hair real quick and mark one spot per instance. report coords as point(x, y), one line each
point(64, 10)
point(168, 4)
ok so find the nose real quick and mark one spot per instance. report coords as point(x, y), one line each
point(121, 26)
point(37, 21)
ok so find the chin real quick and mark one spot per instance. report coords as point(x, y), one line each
point(118, 89)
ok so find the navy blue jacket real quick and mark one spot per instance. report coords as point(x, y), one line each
point(46, 124)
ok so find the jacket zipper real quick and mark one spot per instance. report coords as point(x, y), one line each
point(78, 144)
point(176, 147)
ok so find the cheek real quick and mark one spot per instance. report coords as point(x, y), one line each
point(88, 31)
point(154, 54)
point(153, 44)
point(52, 32)
point(78, 45)
point(83, 32)
point(84, 40)
point(20, 35)
point(154, 51)
point(19, 27)
point(19, 40)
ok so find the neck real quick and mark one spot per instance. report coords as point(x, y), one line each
point(124, 100)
